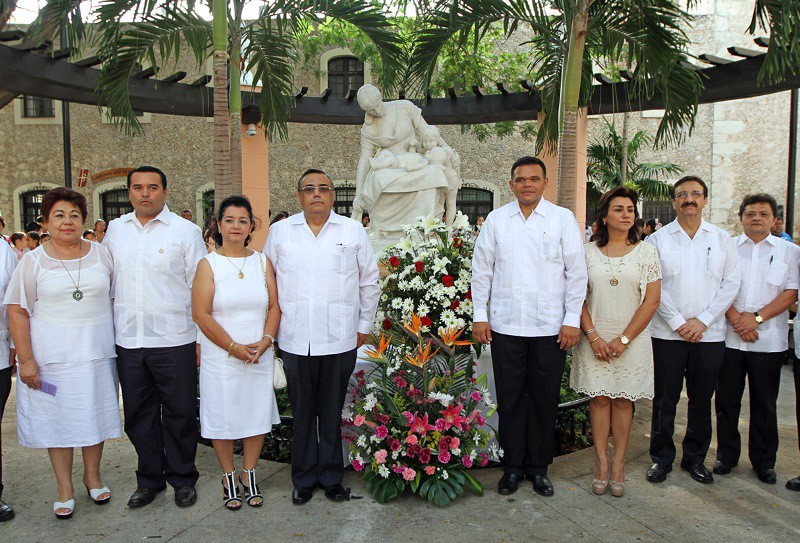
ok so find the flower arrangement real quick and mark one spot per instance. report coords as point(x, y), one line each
point(417, 419)
point(429, 274)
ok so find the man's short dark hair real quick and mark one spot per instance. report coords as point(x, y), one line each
point(651, 223)
point(148, 169)
point(760, 198)
point(309, 172)
point(186, 211)
point(525, 160)
point(686, 179)
point(32, 225)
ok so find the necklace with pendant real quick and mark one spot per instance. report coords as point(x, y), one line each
point(77, 294)
point(613, 281)
point(240, 270)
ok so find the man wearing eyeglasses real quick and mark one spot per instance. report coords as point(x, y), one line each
point(700, 266)
point(328, 293)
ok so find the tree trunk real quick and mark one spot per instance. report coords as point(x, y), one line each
point(568, 107)
point(623, 170)
point(222, 131)
point(236, 115)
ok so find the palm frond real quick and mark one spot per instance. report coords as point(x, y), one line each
point(57, 17)
point(782, 19)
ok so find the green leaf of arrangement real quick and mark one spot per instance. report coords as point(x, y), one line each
point(474, 484)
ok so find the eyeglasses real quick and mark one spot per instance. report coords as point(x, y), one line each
point(684, 193)
point(322, 189)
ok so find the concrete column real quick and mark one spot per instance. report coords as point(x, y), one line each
point(255, 181)
point(550, 158)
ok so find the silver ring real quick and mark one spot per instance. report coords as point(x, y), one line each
point(615, 354)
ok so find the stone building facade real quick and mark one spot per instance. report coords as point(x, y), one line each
point(737, 147)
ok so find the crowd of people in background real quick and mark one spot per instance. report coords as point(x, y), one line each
point(646, 309)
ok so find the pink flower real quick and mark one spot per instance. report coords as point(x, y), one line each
point(400, 382)
point(383, 419)
point(484, 460)
point(358, 465)
point(411, 440)
point(380, 456)
point(444, 457)
point(452, 416)
point(381, 432)
point(444, 443)
point(430, 470)
point(409, 417)
point(441, 425)
point(394, 444)
point(409, 474)
point(420, 425)
point(398, 468)
point(481, 420)
point(454, 443)
point(425, 455)
point(359, 420)
point(413, 450)
point(467, 461)
point(476, 395)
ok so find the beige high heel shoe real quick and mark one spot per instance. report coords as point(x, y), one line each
point(617, 488)
point(599, 487)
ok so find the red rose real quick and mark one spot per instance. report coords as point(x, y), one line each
point(468, 295)
point(457, 242)
point(387, 324)
point(426, 321)
point(394, 261)
point(455, 305)
point(447, 281)
point(419, 266)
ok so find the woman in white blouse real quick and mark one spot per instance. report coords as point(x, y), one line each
point(59, 312)
point(613, 363)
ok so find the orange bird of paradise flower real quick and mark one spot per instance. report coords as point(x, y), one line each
point(421, 356)
point(377, 352)
point(414, 325)
point(450, 337)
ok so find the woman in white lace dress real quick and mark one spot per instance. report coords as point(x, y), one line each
point(613, 363)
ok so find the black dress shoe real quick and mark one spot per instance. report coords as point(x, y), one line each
point(6, 513)
point(721, 468)
point(143, 496)
point(302, 495)
point(658, 472)
point(509, 483)
point(337, 493)
point(766, 475)
point(542, 485)
point(185, 496)
point(794, 484)
point(698, 471)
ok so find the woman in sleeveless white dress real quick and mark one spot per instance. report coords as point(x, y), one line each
point(235, 304)
point(61, 321)
point(613, 362)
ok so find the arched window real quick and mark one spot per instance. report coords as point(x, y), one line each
point(115, 203)
point(474, 202)
point(343, 204)
point(345, 73)
point(30, 205)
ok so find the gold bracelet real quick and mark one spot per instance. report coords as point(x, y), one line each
point(269, 336)
point(595, 339)
point(587, 332)
point(233, 347)
point(21, 362)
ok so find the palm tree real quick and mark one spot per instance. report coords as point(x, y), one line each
point(644, 36)
point(159, 32)
point(606, 171)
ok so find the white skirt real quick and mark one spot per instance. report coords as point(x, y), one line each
point(84, 411)
point(236, 399)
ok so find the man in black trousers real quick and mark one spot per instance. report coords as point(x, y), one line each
point(328, 292)
point(155, 257)
point(7, 264)
point(700, 266)
point(529, 270)
point(756, 339)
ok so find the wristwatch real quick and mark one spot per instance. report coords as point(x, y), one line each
point(624, 340)
point(759, 318)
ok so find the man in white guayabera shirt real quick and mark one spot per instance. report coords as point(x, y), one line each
point(528, 286)
point(155, 257)
point(328, 292)
point(756, 339)
point(8, 261)
point(700, 267)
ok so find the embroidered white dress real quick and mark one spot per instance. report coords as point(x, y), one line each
point(237, 399)
point(612, 307)
point(73, 344)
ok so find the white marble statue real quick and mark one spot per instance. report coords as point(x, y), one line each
point(405, 169)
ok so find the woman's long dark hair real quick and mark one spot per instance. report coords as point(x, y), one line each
point(234, 201)
point(601, 238)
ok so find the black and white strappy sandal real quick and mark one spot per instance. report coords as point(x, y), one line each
point(231, 491)
point(252, 495)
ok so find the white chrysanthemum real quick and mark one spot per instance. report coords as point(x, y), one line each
point(441, 397)
point(416, 283)
point(397, 303)
point(445, 475)
point(370, 401)
point(372, 386)
point(408, 305)
point(423, 309)
point(383, 471)
point(347, 412)
point(362, 441)
point(395, 455)
point(374, 439)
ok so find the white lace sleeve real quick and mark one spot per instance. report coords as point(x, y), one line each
point(22, 289)
point(649, 268)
